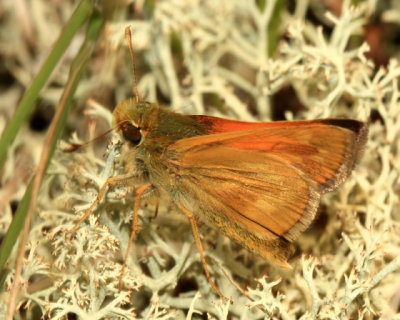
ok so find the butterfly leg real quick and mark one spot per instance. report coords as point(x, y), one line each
point(135, 227)
point(113, 181)
point(197, 239)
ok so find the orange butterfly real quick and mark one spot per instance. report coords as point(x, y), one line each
point(258, 183)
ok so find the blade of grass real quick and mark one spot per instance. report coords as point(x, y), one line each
point(79, 16)
point(273, 27)
point(55, 129)
point(24, 108)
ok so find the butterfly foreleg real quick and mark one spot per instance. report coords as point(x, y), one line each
point(135, 227)
point(199, 245)
point(110, 182)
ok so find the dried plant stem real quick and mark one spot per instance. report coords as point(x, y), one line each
point(39, 177)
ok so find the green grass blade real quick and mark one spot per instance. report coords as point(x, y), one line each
point(77, 68)
point(24, 108)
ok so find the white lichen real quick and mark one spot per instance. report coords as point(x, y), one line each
point(354, 268)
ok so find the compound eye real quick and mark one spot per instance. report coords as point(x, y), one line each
point(131, 133)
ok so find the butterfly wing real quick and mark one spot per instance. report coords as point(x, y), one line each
point(264, 182)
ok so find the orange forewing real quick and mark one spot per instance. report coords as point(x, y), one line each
point(264, 183)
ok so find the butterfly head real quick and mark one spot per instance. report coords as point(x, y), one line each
point(132, 119)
